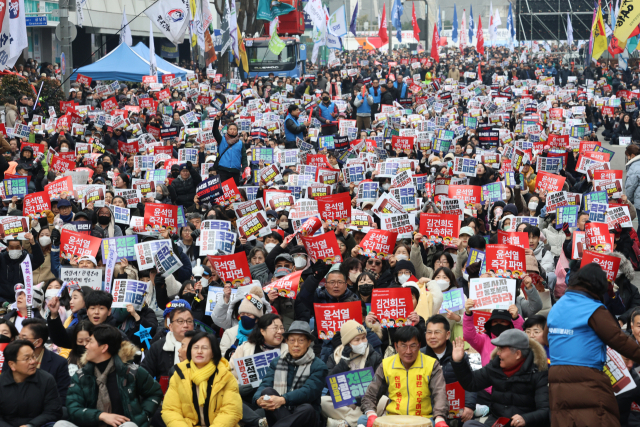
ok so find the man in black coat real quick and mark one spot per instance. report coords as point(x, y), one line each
point(518, 373)
point(183, 189)
point(29, 395)
point(387, 97)
point(301, 88)
point(440, 348)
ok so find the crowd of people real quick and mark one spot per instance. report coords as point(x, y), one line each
point(159, 237)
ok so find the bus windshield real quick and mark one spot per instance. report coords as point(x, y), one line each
point(260, 54)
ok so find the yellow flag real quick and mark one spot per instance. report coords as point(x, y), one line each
point(193, 9)
point(243, 53)
point(628, 20)
point(599, 36)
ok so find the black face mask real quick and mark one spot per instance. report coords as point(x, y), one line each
point(365, 290)
point(104, 220)
point(496, 330)
point(325, 98)
point(106, 167)
point(175, 174)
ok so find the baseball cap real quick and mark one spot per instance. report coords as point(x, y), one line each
point(281, 272)
point(467, 230)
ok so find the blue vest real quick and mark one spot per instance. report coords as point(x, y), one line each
point(365, 107)
point(571, 339)
point(403, 92)
point(376, 98)
point(292, 136)
point(325, 111)
point(232, 159)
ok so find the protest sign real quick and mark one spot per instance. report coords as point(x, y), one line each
point(330, 317)
point(346, 387)
point(609, 263)
point(465, 166)
point(251, 370)
point(455, 396)
point(618, 215)
point(287, 286)
point(597, 237)
point(392, 306)
point(492, 293)
point(323, 247)
point(126, 291)
point(166, 261)
point(505, 261)
point(144, 252)
point(14, 226)
point(480, 318)
point(217, 242)
point(439, 228)
point(400, 223)
point(210, 188)
point(549, 182)
point(254, 224)
point(477, 256)
point(378, 244)
point(452, 300)
point(124, 246)
point(14, 187)
point(132, 197)
point(469, 194)
point(230, 193)
point(74, 244)
point(158, 215)
point(59, 188)
point(233, 269)
point(36, 203)
point(387, 204)
point(615, 368)
point(90, 277)
point(335, 209)
point(520, 239)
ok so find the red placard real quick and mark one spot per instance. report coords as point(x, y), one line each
point(67, 105)
point(164, 94)
point(129, 147)
point(558, 141)
point(330, 317)
point(150, 79)
point(155, 132)
point(36, 203)
point(599, 156)
point(455, 396)
point(392, 306)
point(233, 269)
point(601, 174)
point(335, 209)
point(403, 142)
point(606, 111)
point(440, 228)
point(501, 422)
point(608, 263)
point(61, 165)
point(109, 104)
point(480, 318)
point(287, 287)
point(324, 247)
point(506, 261)
point(203, 100)
point(588, 145)
point(78, 244)
point(319, 160)
point(231, 194)
point(520, 239)
point(597, 237)
point(378, 243)
point(469, 194)
point(37, 148)
point(168, 150)
point(148, 103)
point(3, 131)
point(556, 113)
point(157, 215)
point(2, 347)
point(166, 78)
point(59, 187)
point(549, 181)
point(83, 79)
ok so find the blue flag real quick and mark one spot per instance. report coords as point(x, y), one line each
point(352, 26)
point(454, 31)
point(396, 14)
point(471, 25)
point(439, 21)
point(510, 26)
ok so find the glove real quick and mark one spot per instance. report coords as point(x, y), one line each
point(320, 269)
point(346, 352)
point(195, 234)
point(371, 420)
point(189, 165)
point(617, 229)
point(441, 424)
point(563, 173)
point(55, 237)
point(565, 228)
point(517, 177)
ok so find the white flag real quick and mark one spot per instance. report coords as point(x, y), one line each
point(171, 17)
point(233, 25)
point(463, 30)
point(153, 68)
point(338, 23)
point(18, 30)
point(569, 31)
point(125, 31)
point(5, 49)
point(273, 26)
point(316, 13)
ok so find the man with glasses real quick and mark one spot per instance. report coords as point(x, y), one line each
point(28, 395)
point(417, 388)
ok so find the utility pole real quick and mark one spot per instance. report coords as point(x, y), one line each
point(66, 32)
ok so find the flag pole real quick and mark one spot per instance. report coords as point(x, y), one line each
point(389, 29)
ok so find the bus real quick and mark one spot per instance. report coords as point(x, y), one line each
point(291, 62)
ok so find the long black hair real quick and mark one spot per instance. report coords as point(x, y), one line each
point(215, 348)
point(256, 337)
point(78, 350)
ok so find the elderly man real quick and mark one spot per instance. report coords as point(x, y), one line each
point(518, 374)
point(290, 392)
point(418, 387)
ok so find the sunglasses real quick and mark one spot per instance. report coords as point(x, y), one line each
point(375, 262)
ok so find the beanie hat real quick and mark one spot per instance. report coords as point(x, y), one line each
point(349, 330)
point(511, 208)
point(532, 264)
point(405, 265)
point(252, 302)
point(175, 304)
point(413, 287)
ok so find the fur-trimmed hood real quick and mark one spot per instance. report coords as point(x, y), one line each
point(539, 355)
point(127, 353)
point(626, 267)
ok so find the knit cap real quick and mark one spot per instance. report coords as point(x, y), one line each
point(252, 302)
point(349, 330)
point(175, 304)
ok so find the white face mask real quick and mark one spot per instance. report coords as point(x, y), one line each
point(64, 149)
point(401, 257)
point(272, 223)
point(403, 278)
point(269, 246)
point(469, 150)
point(466, 276)
point(369, 212)
point(300, 262)
point(44, 240)
point(360, 348)
point(50, 294)
point(353, 276)
point(15, 254)
point(444, 284)
point(284, 225)
point(533, 206)
point(386, 187)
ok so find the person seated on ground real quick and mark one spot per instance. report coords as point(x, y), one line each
point(81, 334)
point(249, 309)
point(354, 353)
point(108, 389)
point(534, 328)
point(28, 395)
point(440, 348)
point(518, 375)
point(421, 384)
point(205, 379)
point(291, 390)
point(163, 354)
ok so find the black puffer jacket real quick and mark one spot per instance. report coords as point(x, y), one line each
point(182, 191)
point(11, 272)
point(526, 393)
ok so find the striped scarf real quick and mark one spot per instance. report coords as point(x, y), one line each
point(302, 372)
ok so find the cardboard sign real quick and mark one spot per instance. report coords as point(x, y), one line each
point(91, 277)
point(323, 247)
point(492, 293)
point(520, 239)
point(469, 194)
point(35, 203)
point(330, 317)
point(452, 300)
point(335, 208)
point(158, 215)
point(616, 369)
point(609, 263)
point(253, 225)
point(217, 242)
point(346, 387)
point(392, 306)
point(127, 292)
point(252, 369)
point(233, 269)
point(287, 287)
point(378, 244)
point(209, 188)
point(73, 244)
point(455, 396)
point(439, 228)
point(597, 237)
point(548, 181)
point(124, 246)
point(506, 261)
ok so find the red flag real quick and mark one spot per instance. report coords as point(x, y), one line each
point(382, 32)
point(479, 72)
point(480, 35)
point(414, 22)
point(434, 43)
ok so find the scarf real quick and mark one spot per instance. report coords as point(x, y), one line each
point(302, 372)
point(74, 320)
point(67, 218)
point(104, 403)
point(511, 372)
point(171, 344)
point(231, 139)
point(375, 91)
point(260, 272)
point(200, 376)
point(242, 334)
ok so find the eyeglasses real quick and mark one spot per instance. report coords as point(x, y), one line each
point(297, 341)
point(183, 321)
point(375, 262)
point(438, 332)
point(412, 347)
point(277, 329)
point(30, 359)
point(200, 348)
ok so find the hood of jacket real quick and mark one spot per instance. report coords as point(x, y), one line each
point(635, 159)
point(11, 107)
point(538, 249)
point(537, 357)
point(626, 267)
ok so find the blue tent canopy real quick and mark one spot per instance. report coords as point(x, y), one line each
point(123, 63)
point(142, 50)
